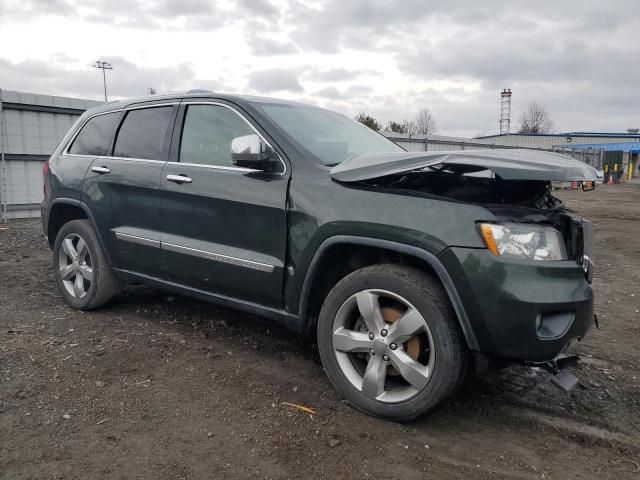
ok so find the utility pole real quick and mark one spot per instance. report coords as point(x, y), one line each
point(104, 66)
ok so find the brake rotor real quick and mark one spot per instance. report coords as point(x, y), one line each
point(413, 346)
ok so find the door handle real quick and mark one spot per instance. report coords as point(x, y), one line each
point(101, 170)
point(180, 179)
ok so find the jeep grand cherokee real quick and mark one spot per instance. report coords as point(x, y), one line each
point(409, 267)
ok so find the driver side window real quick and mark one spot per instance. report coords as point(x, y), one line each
point(207, 134)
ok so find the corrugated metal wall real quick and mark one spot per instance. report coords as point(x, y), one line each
point(35, 133)
point(548, 141)
point(31, 126)
point(23, 188)
point(437, 143)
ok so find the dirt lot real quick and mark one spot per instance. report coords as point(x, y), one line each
point(161, 386)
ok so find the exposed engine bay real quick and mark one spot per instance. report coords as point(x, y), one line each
point(522, 201)
point(467, 184)
point(513, 184)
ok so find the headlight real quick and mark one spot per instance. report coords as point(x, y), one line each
point(523, 241)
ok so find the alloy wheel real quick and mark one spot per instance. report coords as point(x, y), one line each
point(75, 265)
point(383, 345)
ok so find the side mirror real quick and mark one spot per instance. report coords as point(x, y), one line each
point(250, 151)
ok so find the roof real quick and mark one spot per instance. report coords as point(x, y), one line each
point(567, 134)
point(607, 147)
point(14, 98)
point(202, 94)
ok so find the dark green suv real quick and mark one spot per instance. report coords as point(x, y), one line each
point(411, 268)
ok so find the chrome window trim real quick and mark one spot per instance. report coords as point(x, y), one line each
point(147, 242)
point(116, 158)
point(73, 139)
point(196, 102)
point(219, 104)
point(126, 109)
point(216, 167)
point(218, 257)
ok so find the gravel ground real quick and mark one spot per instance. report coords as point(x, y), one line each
point(162, 386)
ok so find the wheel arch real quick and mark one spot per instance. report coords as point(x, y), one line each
point(382, 250)
point(63, 210)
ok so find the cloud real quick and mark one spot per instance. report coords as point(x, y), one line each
point(386, 58)
point(275, 80)
point(354, 91)
point(127, 79)
point(266, 47)
point(259, 8)
point(140, 14)
point(331, 93)
point(335, 74)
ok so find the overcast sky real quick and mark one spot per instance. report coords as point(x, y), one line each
point(579, 58)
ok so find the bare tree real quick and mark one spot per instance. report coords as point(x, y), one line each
point(409, 127)
point(535, 119)
point(406, 126)
point(425, 122)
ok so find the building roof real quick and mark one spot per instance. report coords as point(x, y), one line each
point(633, 147)
point(567, 134)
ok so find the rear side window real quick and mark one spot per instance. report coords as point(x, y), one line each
point(96, 135)
point(143, 133)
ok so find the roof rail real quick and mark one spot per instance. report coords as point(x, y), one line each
point(199, 90)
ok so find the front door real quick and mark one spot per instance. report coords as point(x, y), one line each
point(224, 227)
point(122, 189)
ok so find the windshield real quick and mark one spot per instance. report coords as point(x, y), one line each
point(331, 137)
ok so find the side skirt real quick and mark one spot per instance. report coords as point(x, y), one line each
point(282, 317)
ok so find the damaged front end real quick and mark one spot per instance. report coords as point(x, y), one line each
point(529, 291)
point(514, 185)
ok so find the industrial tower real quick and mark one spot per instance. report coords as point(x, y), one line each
point(505, 111)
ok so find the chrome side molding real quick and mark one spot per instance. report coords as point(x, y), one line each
point(218, 257)
point(148, 242)
point(213, 256)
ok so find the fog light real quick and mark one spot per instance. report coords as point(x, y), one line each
point(550, 326)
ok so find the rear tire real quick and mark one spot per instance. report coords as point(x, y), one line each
point(80, 267)
point(402, 361)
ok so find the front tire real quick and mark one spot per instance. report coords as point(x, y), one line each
point(390, 342)
point(80, 267)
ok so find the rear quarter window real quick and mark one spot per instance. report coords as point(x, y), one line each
point(143, 133)
point(96, 135)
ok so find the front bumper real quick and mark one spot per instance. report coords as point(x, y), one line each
point(522, 310)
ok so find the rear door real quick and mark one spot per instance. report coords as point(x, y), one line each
point(123, 188)
point(224, 226)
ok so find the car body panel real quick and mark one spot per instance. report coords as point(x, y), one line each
point(508, 164)
point(238, 219)
point(320, 208)
point(125, 205)
point(505, 297)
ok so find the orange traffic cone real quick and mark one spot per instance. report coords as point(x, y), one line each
point(611, 182)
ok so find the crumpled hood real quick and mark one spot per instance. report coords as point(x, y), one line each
point(508, 164)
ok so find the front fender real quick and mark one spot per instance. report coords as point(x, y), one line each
point(428, 257)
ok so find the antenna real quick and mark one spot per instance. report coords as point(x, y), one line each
point(505, 111)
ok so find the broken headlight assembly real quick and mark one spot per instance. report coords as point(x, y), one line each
point(523, 241)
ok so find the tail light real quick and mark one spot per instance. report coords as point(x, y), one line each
point(46, 179)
